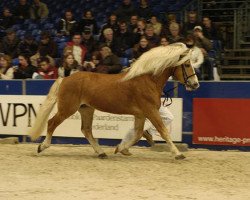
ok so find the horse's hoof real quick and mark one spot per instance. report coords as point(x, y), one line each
point(126, 152)
point(180, 157)
point(39, 149)
point(103, 156)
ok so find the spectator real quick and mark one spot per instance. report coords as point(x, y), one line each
point(151, 36)
point(10, 43)
point(112, 23)
point(22, 10)
point(6, 70)
point(110, 63)
point(144, 11)
point(88, 21)
point(133, 23)
point(67, 25)
point(69, 66)
point(48, 44)
point(41, 53)
point(139, 30)
point(93, 64)
point(205, 46)
point(164, 41)
point(6, 19)
point(171, 18)
point(209, 29)
point(191, 23)
point(125, 10)
point(27, 46)
point(141, 47)
point(125, 39)
point(88, 41)
point(24, 70)
point(46, 71)
point(175, 35)
point(78, 49)
point(109, 40)
point(197, 57)
point(156, 25)
point(38, 10)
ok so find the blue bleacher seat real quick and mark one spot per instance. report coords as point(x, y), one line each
point(15, 62)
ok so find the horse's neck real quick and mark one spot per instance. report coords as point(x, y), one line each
point(162, 79)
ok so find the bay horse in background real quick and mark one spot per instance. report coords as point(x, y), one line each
point(136, 92)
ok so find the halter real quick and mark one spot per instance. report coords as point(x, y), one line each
point(185, 77)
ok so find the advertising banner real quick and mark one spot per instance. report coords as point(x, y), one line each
point(221, 121)
point(17, 114)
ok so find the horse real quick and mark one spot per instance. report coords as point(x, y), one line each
point(135, 92)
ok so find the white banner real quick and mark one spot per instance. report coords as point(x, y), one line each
point(17, 113)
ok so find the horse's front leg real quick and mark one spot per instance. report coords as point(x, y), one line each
point(132, 136)
point(156, 120)
point(87, 119)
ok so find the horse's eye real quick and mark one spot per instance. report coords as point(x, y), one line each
point(186, 65)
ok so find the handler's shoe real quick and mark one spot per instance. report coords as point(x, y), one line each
point(148, 137)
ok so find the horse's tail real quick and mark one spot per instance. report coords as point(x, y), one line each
point(44, 111)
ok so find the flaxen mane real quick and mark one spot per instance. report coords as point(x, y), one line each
point(156, 60)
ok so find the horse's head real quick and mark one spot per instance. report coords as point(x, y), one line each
point(185, 73)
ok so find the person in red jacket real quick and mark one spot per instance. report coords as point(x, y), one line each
point(79, 50)
point(46, 71)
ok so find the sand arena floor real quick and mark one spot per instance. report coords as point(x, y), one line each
point(74, 172)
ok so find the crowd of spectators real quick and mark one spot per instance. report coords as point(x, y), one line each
point(129, 32)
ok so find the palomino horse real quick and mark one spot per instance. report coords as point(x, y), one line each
point(136, 92)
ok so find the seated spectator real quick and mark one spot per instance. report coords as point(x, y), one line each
point(78, 49)
point(156, 25)
point(38, 10)
point(175, 35)
point(209, 29)
point(94, 62)
point(139, 30)
point(171, 18)
point(6, 19)
point(22, 10)
point(205, 46)
point(41, 53)
point(192, 21)
point(27, 46)
point(133, 23)
point(125, 10)
point(6, 70)
point(151, 36)
point(125, 39)
point(141, 47)
point(88, 41)
point(144, 11)
point(197, 57)
point(112, 23)
point(69, 66)
point(67, 26)
point(24, 70)
point(10, 43)
point(110, 63)
point(164, 41)
point(109, 40)
point(45, 70)
point(48, 44)
point(88, 21)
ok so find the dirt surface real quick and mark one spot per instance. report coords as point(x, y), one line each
point(68, 172)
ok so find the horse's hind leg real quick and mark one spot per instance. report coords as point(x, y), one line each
point(132, 137)
point(55, 121)
point(87, 119)
point(156, 120)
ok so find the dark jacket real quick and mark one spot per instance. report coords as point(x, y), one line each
point(26, 48)
point(110, 65)
point(10, 48)
point(124, 12)
point(22, 73)
point(22, 11)
point(90, 23)
point(67, 27)
point(50, 48)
